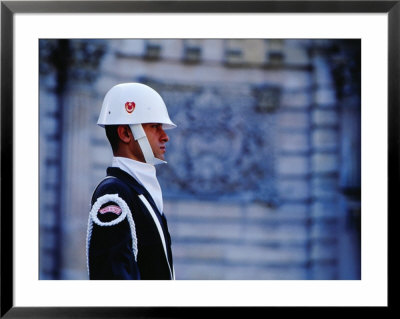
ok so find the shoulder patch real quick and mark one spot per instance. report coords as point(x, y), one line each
point(109, 204)
point(111, 209)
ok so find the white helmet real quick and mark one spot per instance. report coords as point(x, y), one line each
point(134, 104)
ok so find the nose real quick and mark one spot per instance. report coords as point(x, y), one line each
point(164, 137)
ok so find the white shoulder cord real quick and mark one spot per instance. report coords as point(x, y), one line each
point(90, 227)
point(126, 213)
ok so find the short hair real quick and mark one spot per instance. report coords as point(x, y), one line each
point(112, 136)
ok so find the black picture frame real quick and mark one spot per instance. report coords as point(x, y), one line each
point(9, 8)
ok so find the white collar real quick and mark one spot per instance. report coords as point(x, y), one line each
point(145, 174)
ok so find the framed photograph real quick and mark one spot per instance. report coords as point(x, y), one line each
point(281, 172)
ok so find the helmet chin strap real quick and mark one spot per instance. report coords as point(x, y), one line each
point(140, 136)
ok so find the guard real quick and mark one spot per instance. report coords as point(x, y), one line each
point(127, 236)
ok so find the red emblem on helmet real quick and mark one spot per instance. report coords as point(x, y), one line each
point(130, 107)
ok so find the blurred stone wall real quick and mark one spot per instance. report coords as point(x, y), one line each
point(263, 179)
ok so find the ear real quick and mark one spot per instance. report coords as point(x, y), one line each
point(124, 133)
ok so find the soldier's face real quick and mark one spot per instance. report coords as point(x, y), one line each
point(157, 139)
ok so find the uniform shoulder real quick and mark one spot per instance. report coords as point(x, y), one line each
point(111, 185)
point(109, 202)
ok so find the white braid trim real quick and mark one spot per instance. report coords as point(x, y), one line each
point(88, 237)
point(133, 233)
point(106, 199)
point(125, 213)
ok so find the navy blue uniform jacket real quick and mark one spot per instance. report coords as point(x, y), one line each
point(124, 239)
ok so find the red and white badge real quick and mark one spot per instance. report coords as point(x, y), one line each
point(130, 106)
point(111, 209)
